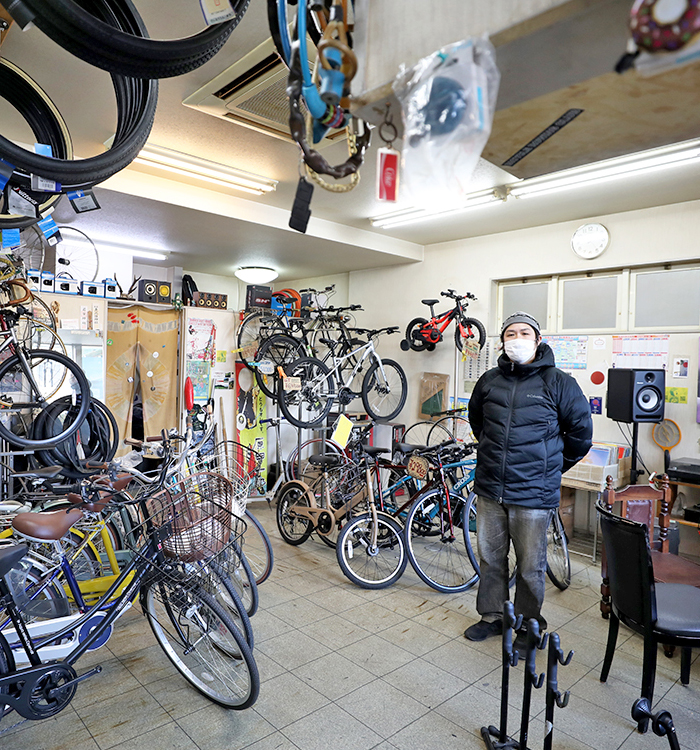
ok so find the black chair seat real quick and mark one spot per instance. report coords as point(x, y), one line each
point(677, 609)
point(429, 302)
point(373, 450)
point(325, 460)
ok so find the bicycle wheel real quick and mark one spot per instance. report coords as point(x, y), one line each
point(308, 473)
point(384, 390)
point(456, 427)
point(368, 565)
point(36, 598)
point(439, 434)
point(474, 329)
point(308, 406)
point(249, 338)
point(235, 565)
point(218, 585)
point(76, 254)
point(36, 335)
point(258, 548)
point(415, 342)
point(278, 351)
point(32, 248)
point(26, 392)
point(417, 434)
point(202, 643)
point(294, 529)
point(5, 656)
point(436, 541)
point(558, 560)
point(473, 543)
point(42, 312)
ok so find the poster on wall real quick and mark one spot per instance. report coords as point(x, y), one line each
point(250, 411)
point(475, 368)
point(642, 351)
point(432, 398)
point(200, 355)
point(570, 352)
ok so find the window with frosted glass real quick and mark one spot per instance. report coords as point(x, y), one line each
point(530, 298)
point(589, 303)
point(667, 298)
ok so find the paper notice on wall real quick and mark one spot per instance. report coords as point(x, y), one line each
point(642, 351)
point(570, 352)
point(474, 368)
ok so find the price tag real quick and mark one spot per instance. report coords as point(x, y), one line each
point(82, 201)
point(343, 428)
point(471, 348)
point(266, 367)
point(216, 11)
point(292, 384)
point(248, 351)
point(387, 174)
point(41, 184)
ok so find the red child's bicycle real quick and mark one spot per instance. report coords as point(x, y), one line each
point(424, 334)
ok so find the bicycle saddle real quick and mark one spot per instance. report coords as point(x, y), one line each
point(429, 302)
point(326, 461)
point(373, 451)
point(10, 556)
point(46, 527)
point(409, 448)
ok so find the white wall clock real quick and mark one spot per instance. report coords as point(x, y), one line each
point(590, 240)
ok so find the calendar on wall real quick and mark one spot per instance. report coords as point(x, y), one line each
point(475, 367)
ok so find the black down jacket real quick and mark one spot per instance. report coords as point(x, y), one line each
point(532, 422)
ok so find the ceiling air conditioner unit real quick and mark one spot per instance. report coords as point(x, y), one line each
point(252, 93)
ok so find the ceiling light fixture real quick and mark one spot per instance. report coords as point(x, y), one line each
point(195, 168)
point(413, 215)
point(255, 274)
point(621, 166)
point(136, 252)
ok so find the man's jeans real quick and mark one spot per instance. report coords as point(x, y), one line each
point(496, 524)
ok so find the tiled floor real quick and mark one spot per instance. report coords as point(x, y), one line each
point(348, 669)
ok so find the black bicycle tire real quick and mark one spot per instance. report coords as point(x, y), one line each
point(472, 323)
point(342, 546)
point(281, 510)
point(253, 523)
point(277, 338)
point(443, 588)
point(245, 323)
point(125, 53)
point(295, 367)
point(7, 665)
point(415, 345)
point(136, 105)
point(561, 583)
point(244, 649)
point(242, 577)
point(82, 411)
point(220, 578)
point(48, 126)
point(366, 387)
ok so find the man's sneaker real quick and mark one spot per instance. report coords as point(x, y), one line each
point(482, 630)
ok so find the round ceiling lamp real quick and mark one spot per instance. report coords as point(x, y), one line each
point(255, 274)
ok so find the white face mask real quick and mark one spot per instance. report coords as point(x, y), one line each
point(520, 350)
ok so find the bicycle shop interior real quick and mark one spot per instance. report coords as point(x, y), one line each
point(199, 243)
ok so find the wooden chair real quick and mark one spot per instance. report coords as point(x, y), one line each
point(639, 502)
point(667, 613)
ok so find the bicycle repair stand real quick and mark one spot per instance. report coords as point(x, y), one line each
point(497, 738)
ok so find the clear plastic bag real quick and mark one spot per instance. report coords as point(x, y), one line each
point(447, 102)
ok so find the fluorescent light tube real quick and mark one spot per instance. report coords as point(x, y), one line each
point(193, 167)
point(413, 215)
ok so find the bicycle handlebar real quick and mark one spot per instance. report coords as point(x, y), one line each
point(22, 285)
point(452, 294)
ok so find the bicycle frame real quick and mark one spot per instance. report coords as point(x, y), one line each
point(336, 371)
point(11, 340)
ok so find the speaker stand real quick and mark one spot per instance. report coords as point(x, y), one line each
point(634, 473)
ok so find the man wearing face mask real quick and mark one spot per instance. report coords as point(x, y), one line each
point(532, 422)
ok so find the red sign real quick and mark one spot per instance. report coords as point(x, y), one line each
point(387, 174)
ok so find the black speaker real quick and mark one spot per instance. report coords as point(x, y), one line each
point(636, 395)
point(148, 290)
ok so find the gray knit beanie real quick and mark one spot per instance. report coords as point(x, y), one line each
point(520, 317)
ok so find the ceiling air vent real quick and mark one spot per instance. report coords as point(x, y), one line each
point(252, 93)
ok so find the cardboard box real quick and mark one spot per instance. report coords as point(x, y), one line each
point(46, 282)
point(64, 285)
point(92, 288)
point(258, 296)
point(111, 288)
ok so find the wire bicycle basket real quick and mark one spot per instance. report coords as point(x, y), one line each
point(193, 518)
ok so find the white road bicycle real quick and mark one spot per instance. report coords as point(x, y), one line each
point(310, 388)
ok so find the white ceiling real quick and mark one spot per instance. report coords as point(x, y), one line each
point(215, 232)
